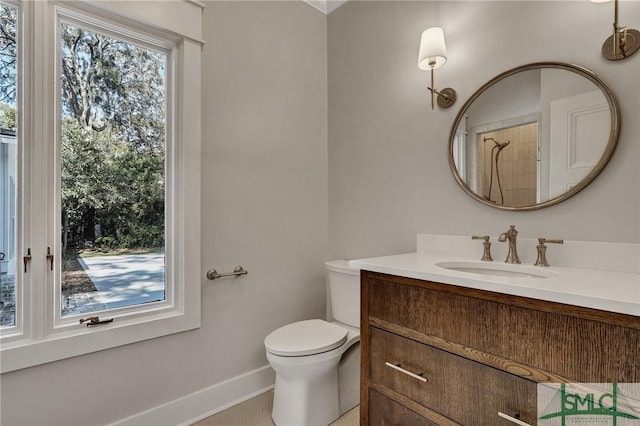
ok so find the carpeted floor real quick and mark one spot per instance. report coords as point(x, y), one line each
point(257, 412)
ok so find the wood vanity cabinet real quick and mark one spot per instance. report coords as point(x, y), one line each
point(439, 354)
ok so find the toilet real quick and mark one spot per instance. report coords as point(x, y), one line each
point(317, 363)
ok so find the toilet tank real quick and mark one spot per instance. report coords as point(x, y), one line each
point(344, 288)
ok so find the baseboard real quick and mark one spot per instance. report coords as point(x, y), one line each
point(206, 402)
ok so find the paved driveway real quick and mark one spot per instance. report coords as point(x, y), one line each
point(125, 280)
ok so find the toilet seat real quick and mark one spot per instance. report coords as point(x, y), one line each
point(305, 338)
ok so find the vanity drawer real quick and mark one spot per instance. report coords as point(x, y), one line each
point(464, 391)
point(449, 316)
point(544, 335)
point(386, 412)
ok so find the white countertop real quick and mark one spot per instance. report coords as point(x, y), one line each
point(605, 290)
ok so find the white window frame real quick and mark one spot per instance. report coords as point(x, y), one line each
point(41, 335)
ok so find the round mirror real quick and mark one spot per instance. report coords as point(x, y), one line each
point(534, 136)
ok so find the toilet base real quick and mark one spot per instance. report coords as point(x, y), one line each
point(306, 397)
point(349, 379)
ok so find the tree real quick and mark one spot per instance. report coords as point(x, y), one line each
point(113, 139)
point(8, 27)
point(8, 55)
point(110, 82)
point(105, 181)
point(113, 133)
point(7, 116)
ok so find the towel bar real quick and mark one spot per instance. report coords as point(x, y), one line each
point(212, 274)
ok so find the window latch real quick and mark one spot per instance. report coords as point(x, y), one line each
point(91, 321)
point(26, 259)
point(50, 257)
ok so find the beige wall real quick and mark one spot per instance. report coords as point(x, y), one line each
point(264, 206)
point(264, 173)
point(389, 178)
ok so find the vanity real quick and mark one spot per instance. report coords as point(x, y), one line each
point(449, 340)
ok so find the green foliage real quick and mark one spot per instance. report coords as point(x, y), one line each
point(113, 142)
point(105, 181)
point(8, 49)
point(7, 116)
point(113, 135)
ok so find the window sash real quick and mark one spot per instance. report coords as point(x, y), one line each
point(22, 290)
point(169, 49)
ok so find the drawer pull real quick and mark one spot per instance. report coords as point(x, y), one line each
point(512, 419)
point(408, 373)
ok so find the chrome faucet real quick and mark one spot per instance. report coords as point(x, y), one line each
point(511, 236)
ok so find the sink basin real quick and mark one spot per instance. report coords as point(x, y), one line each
point(497, 269)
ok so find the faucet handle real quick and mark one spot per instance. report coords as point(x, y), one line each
point(542, 251)
point(544, 240)
point(486, 255)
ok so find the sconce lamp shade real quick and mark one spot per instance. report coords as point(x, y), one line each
point(433, 52)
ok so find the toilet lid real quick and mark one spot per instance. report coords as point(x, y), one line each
point(305, 338)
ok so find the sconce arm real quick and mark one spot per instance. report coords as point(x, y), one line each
point(439, 93)
point(446, 97)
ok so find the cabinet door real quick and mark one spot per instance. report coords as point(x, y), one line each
point(386, 412)
point(464, 391)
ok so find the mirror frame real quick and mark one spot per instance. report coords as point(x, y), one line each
point(604, 159)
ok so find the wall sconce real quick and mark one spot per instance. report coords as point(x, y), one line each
point(432, 55)
point(623, 43)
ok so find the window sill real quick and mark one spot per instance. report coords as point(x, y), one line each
point(84, 340)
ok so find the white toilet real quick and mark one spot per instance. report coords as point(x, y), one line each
point(317, 363)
